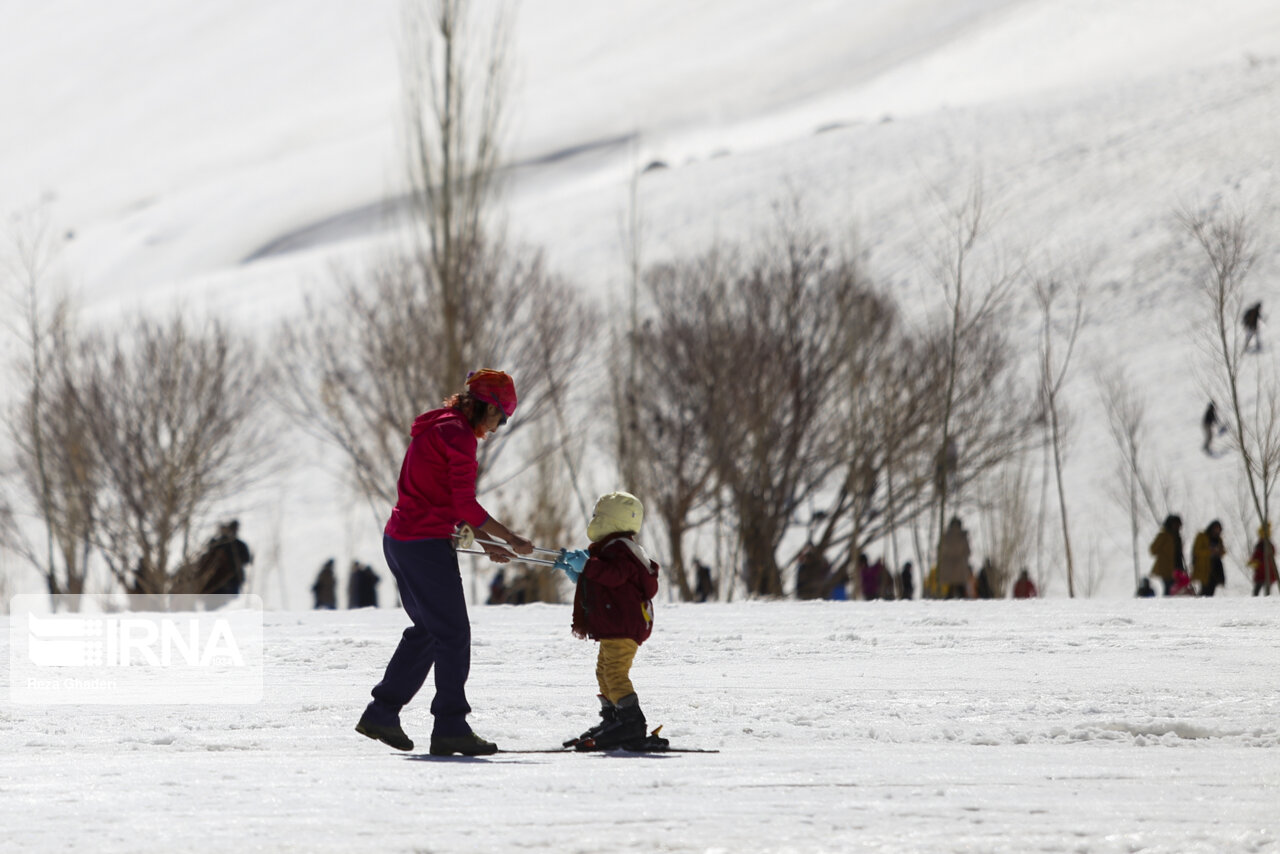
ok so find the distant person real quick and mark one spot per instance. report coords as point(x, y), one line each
point(954, 573)
point(985, 576)
point(325, 589)
point(1211, 426)
point(1182, 585)
point(813, 574)
point(221, 566)
point(1252, 317)
point(1145, 590)
point(705, 587)
point(1024, 587)
point(932, 588)
point(907, 582)
point(498, 589)
point(353, 585)
point(365, 587)
point(870, 575)
point(1166, 548)
point(1263, 561)
point(886, 580)
point(1206, 559)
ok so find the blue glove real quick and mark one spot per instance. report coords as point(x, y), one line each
point(571, 563)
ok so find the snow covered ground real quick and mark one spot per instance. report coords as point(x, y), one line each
point(1103, 726)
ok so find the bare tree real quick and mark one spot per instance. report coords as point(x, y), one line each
point(405, 330)
point(1141, 489)
point(454, 106)
point(175, 420)
point(1008, 523)
point(56, 467)
point(1227, 242)
point(357, 372)
point(759, 374)
point(1057, 344)
point(887, 418)
point(976, 363)
point(668, 425)
point(10, 543)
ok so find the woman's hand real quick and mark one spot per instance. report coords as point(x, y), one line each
point(519, 544)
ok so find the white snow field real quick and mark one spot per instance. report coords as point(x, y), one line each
point(1097, 726)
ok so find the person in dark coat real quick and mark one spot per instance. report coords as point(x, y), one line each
point(870, 577)
point(1263, 561)
point(985, 574)
point(222, 564)
point(1252, 317)
point(613, 604)
point(706, 585)
point(813, 574)
point(435, 493)
point(1206, 559)
point(1211, 425)
point(1166, 548)
point(1024, 587)
point(325, 590)
point(362, 586)
point(954, 573)
point(907, 582)
point(498, 588)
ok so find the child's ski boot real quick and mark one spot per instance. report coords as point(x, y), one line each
point(628, 726)
point(608, 714)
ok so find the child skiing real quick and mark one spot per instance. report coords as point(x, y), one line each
point(613, 604)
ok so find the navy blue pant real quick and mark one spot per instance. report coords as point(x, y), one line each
point(431, 592)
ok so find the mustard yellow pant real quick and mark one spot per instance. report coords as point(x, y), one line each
point(613, 667)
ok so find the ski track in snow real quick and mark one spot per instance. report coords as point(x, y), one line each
point(1055, 726)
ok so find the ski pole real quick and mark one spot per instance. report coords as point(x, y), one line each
point(465, 538)
point(522, 558)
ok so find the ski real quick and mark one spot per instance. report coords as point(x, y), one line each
point(611, 750)
point(652, 743)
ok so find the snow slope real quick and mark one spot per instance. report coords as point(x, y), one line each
point(216, 157)
point(1059, 726)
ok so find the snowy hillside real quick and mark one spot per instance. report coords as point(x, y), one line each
point(173, 145)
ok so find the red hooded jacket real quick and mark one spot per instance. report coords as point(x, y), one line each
point(437, 485)
point(615, 594)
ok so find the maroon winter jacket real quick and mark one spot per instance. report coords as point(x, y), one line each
point(437, 485)
point(615, 592)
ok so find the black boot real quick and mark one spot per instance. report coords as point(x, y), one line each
point(389, 734)
point(468, 745)
point(608, 714)
point(628, 726)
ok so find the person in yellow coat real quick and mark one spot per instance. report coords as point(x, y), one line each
point(1166, 548)
point(1206, 559)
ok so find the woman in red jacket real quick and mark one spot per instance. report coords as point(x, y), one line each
point(437, 491)
point(613, 605)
